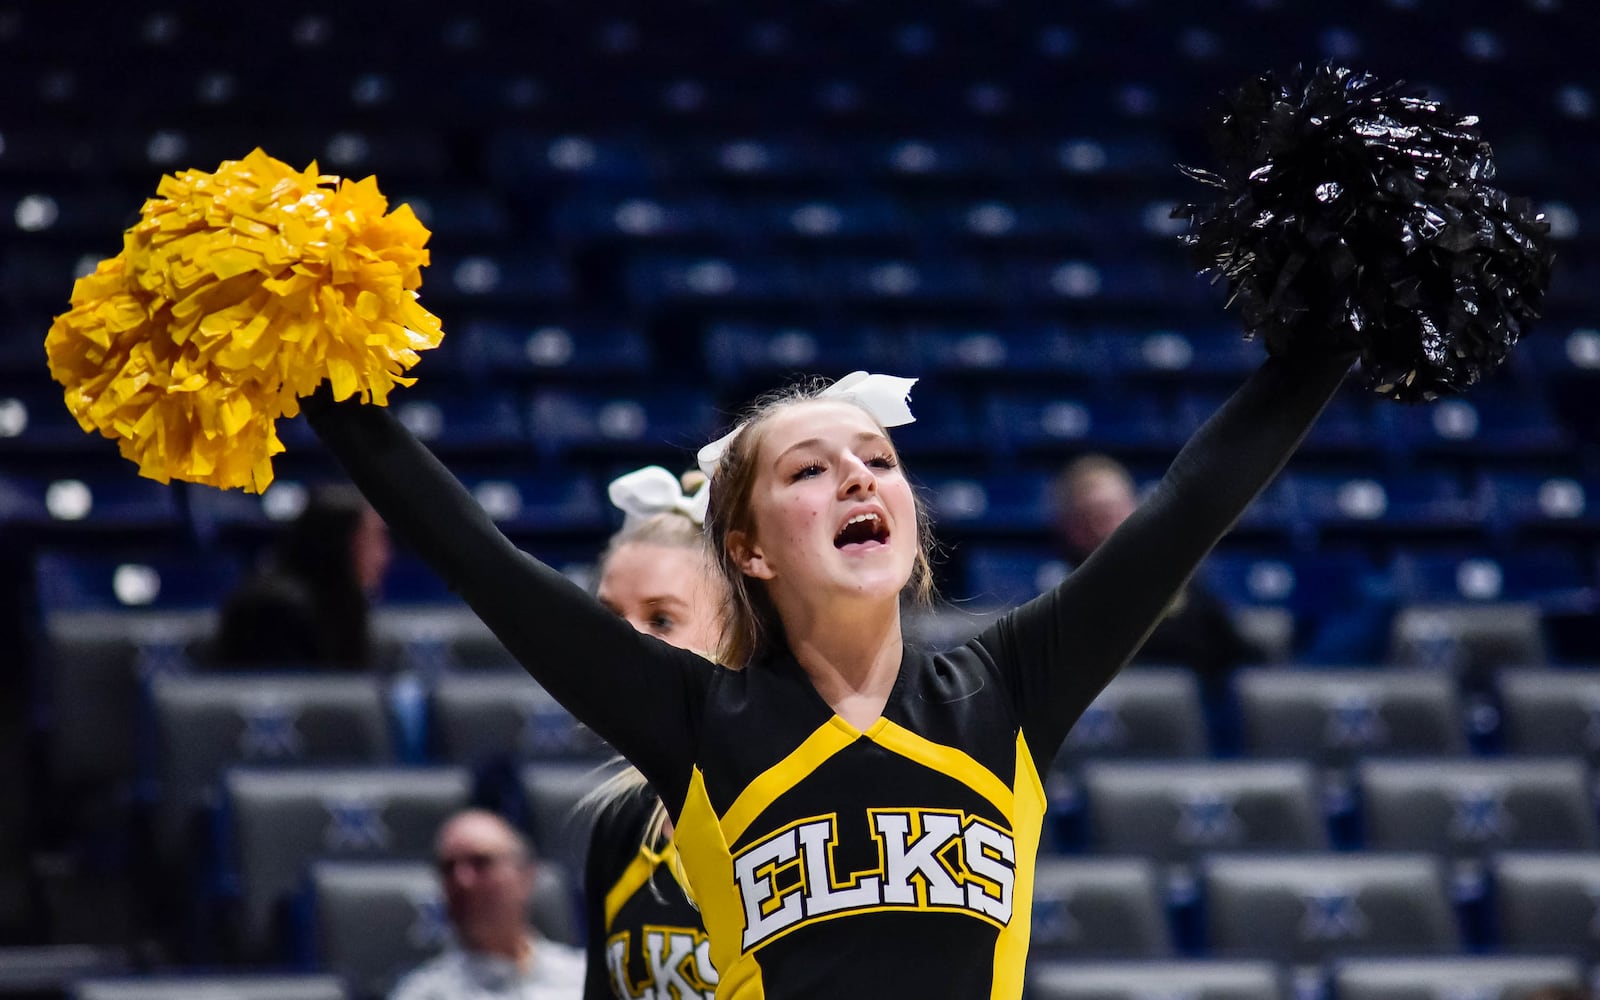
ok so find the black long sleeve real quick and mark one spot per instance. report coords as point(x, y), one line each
point(1059, 650)
point(641, 695)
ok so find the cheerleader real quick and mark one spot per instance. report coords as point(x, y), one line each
point(645, 937)
point(853, 814)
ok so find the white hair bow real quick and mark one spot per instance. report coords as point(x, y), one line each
point(885, 397)
point(644, 493)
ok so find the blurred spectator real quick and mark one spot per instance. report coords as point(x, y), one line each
point(1095, 494)
point(488, 875)
point(310, 604)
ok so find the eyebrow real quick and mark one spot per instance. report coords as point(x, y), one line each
point(813, 442)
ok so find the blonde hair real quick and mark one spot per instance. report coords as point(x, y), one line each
point(751, 627)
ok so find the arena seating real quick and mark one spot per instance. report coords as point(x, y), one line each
point(642, 217)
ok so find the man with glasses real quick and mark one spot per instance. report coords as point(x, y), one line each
point(488, 875)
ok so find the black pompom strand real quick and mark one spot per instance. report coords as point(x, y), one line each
point(1352, 217)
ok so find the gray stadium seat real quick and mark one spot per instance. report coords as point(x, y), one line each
point(1336, 715)
point(205, 723)
point(285, 819)
point(1450, 978)
point(1049, 980)
point(28, 971)
point(377, 920)
point(440, 637)
point(213, 987)
point(478, 716)
point(552, 791)
point(1310, 907)
point(1548, 902)
point(1176, 810)
point(96, 661)
point(1144, 712)
point(1550, 711)
point(1466, 807)
point(1098, 908)
point(1470, 639)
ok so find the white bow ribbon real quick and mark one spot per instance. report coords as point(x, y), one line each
point(644, 493)
point(885, 397)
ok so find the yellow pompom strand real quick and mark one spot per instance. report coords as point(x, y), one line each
point(236, 293)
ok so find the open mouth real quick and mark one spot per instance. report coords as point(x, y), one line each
point(863, 529)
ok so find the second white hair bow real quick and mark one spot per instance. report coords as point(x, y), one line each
point(644, 493)
point(886, 397)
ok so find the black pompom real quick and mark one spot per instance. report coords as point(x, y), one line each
point(1353, 217)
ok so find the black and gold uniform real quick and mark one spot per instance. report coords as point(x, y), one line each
point(646, 940)
point(829, 861)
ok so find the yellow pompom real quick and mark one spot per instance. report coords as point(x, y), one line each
point(236, 293)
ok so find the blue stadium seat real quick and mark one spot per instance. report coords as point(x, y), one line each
point(1482, 423)
point(754, 159)
point(1569, 355)
point(1022, 351)
point(115, 501)
point(927, 281)
point(652, 280)
point(1064, 423)
point(1007, 577)
point(34, 422)
point(553, 348)
point(656, 420)
point(55, 209)
point(1554, 503)
point(72, 580)
point(565, 502)
point(1006, 503)
point(1467, 575)
point(1416, 501)
point(1103, 154)
point(636, 218)
point(452, 212)
point(508, 279)
point(825, 221)
point(735, 351)
point(519, 159)
point(915, 157)
point(460, 422)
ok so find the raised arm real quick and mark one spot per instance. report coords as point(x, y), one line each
point(1062, 648)
point(641, 695)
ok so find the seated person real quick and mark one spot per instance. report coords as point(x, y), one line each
point(309, 604)
point(487, 872)
point(1095, 494)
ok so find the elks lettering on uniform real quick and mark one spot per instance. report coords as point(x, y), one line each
point(680, 965)
point(932, 859)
